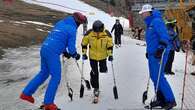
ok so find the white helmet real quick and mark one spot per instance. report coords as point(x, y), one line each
point(146, 8)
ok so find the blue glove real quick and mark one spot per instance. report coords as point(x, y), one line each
point(110, 58)
point(84, 57)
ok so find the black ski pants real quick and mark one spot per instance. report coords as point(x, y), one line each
point(117, 39)
point(95, 73)
point(168, 67)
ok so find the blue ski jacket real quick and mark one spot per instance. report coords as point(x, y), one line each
point(156, 32)
point(62, 38)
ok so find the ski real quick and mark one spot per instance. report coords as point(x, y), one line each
point(149, 107)
point(158, 108)
point(139, 44)
point(95, 100)
point(42, 108)
point(36, 108)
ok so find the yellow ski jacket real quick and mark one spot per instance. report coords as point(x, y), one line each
point(100, 44)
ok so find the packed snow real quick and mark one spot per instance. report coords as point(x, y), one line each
point(18, 22)
point(38, 23)
point(1, 21)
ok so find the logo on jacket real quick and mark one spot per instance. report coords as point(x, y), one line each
point(150, 27)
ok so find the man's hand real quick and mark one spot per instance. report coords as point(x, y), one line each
point(66, 54)
point(84, 57)
point(110, 58)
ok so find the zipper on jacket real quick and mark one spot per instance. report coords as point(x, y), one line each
point(101, 43)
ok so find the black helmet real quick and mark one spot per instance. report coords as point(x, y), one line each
point(98, 26)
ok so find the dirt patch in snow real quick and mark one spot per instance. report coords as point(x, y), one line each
point(15, 32)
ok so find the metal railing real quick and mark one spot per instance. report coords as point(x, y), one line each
point(160, 5)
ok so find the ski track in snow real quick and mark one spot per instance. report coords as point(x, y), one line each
point(130, 65)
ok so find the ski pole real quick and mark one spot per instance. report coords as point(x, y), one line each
point(83, 80)
point(115, 92)
point(82, 85)
point(184, 79)
point(159, 73)
point(70, 91)
point(145, 94)
point(82, 76)
point(86, 81)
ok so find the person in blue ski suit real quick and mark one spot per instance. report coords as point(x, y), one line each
point(158, 42)
point(60, 40)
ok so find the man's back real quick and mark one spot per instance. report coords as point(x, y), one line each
point(63, 33)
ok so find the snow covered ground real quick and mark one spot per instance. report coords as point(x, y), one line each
point(71, 6)
point(130, 65)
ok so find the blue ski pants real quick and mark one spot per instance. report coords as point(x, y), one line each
point(163, 86)
point(50, 65)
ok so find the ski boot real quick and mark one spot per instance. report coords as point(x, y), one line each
point(170, 105)
point(161, 98)
point(158, 103)
point(27, 98)
point(96, 93)
point(50, 107)
point(154, 105)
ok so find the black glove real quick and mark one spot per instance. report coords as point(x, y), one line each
point(158, 53)
point(162, 44)
point(84, 57)
point(76, 56)
point(66, 54)
point(146, 55)
point(110, 58)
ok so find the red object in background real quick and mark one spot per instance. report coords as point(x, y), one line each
point(8, 2)
point(130, 17)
